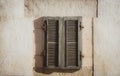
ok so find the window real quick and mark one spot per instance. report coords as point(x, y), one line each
point(62, 42)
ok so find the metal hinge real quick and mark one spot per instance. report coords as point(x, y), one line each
point(44, 27)
point(81, 27)
point(81, 56)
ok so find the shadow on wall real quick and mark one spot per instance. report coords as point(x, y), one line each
point(39, 50)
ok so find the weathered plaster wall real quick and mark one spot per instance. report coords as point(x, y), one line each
point(17, 39)
point(16, 47)
point(38, 8)
point(11, 9)
point(107, 39)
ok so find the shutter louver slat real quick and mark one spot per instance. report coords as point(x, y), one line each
point(71, 42)
point(52, 43)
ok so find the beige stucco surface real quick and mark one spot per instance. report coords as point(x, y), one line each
point(37, 8)
point(17, 33)
point(16, 47)
point(107, 39)
point(11, 9)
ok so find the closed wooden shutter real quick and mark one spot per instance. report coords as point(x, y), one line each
point(72, 42)
point(52, 26)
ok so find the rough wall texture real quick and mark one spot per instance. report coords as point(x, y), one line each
point(16, 47)
point(39, 8)
point(16, 32)
point(107, 39)
point(17, 39)
point(11, 9)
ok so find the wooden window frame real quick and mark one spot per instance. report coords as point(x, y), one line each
point(61, 43)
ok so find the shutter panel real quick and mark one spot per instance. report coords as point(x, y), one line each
point(71, 43)
point(52, 42)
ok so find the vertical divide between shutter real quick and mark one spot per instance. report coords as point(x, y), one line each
point(61, 43)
